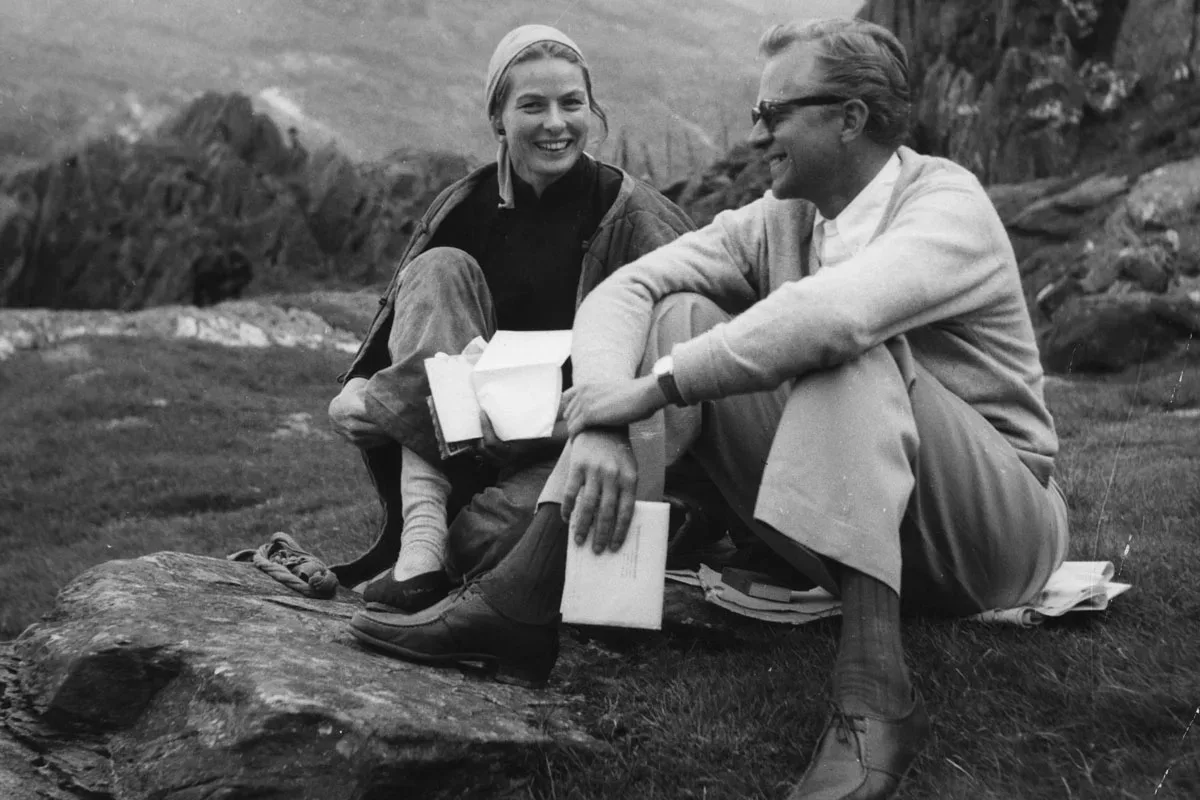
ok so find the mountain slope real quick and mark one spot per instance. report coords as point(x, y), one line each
point(378, 74)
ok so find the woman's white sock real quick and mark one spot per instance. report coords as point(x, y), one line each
point(424, 491)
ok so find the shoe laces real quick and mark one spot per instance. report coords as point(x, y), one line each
point(469, 580)
point(845, 725)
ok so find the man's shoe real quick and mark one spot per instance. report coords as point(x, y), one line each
point(409, 595)
point(464, 629)
point(860, 757)
point(694, 534)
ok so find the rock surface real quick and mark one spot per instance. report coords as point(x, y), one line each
point(1112, 276)
point(182, 677)
point(236, 323)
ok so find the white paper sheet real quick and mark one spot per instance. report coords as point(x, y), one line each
point(624, 588)
point(518, 382)
point(454, 395)
point(1074, 587)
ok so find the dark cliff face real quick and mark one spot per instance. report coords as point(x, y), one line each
point(1014, 90)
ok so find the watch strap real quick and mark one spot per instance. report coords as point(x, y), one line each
point(670, 389)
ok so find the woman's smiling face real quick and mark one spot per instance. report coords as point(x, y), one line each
point(545, 119)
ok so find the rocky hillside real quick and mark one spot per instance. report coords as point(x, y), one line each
point(1021, 90)
point(215, 202)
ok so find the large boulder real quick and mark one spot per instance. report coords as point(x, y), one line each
point(1126, 289)
point(182, 677)
point(1113, 331)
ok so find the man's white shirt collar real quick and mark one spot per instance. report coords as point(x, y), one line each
point(859, 220)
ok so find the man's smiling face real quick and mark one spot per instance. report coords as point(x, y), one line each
point(801, 146)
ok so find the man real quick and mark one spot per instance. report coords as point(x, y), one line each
point(873, 408)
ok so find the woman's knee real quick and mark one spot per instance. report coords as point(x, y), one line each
point(441, 266)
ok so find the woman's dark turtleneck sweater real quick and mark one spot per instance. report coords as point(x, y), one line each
point(531, 254)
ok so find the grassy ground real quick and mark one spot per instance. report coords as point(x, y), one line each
point(115, 448)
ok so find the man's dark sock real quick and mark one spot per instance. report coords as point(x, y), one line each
point(527, 585)
point(870, 675)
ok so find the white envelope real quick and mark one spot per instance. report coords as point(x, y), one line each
point(518, 382)
point(624, 588)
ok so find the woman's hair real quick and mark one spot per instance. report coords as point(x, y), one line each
point(534, 52)
point(860, 60)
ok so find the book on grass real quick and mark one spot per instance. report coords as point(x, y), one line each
point(624, 588)
point(516, 379)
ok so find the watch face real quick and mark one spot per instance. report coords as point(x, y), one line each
point(664, 366)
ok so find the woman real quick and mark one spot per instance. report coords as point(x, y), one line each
point(515, 245)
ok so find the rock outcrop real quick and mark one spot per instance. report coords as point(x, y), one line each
point(213, 204)
point(1017, 90)
point(1126, 288)
point(235, 323)
point(183, 677)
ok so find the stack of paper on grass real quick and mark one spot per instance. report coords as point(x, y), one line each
point(1075, 586)
point(805, 607)
point(624, 588)
point(516, 379)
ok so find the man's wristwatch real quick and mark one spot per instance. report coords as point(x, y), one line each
point(664, 371)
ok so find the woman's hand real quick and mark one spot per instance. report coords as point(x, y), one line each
point(499, 452)
point(601, 488)
point(348, 414)
point(592, 405)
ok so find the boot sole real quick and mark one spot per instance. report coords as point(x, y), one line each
point(489, 664)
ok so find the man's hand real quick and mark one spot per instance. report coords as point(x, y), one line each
point(601, 488)
point(348, 413)
point(611, 403)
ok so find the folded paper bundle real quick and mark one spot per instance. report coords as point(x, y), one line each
point(803, 607)
point(1074, 586)
point(516, 379)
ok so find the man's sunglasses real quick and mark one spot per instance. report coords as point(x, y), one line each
point(769, 110)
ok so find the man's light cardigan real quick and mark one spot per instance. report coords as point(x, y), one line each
point(940, 269)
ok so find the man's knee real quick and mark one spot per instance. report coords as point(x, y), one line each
point(687, 312)
point(443, 268)
point(677, 318)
